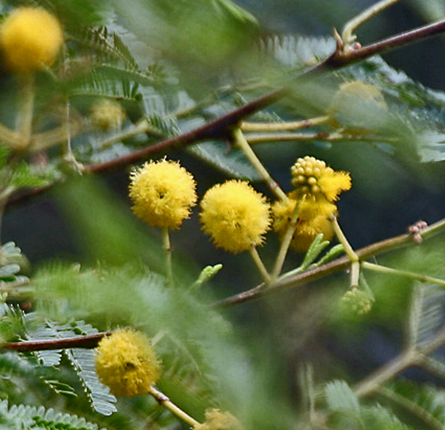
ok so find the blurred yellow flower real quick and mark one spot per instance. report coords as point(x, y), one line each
point(126, 362)
point(312, 179)
point(107, 114)
point(235, 216)
point(217, 420)
point(163, 193)
point(30, 39)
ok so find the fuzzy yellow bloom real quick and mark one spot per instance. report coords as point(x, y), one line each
point(235, 216)
point(107, 114)
point(126, 362)
point(313, 219)
point(312, 179)
point(30, 39)
point(163, 193)
point(358, 104)
point(217, 420)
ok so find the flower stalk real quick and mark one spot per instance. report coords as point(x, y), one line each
point(256, 163)
point(259, 264)
point(352, 255)
point(163, 400)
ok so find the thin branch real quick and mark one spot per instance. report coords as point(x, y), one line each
point(409, 358)
point(220, 127)
point(332, 267)
point(405, 273)
point(376, 379)
point(282, 126)
point(348, 35)
point(163, 400)
point(254, 138)
point(242, 143)
point(353, 257)
point(88, 342)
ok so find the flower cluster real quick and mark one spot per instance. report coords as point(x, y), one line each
point(163, 193)
point(359, 301)
point(217, 420)
point(107, 114)
point(313, 180)
point(126, 362)
point(316, 188)
point(30, 39)
point(235, 216)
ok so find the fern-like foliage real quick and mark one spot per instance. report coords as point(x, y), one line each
point(82, 361)
point(425, 402)
point(30, 417)
point(427, 314)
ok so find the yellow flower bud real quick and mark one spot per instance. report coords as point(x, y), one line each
point(163, 193)
point(126, 362)
point(235, 216)
point(311, 178)
point(358, 301)
point(30, 39)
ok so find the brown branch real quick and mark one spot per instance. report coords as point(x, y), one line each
point(88, 342)
point(330, 268)
point(221, 127)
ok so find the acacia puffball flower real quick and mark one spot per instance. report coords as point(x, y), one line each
point(30, 39)
point(107, 114)
point(313, 219)
point(126, 362)
point(311, 178)
point(163, 193)
point(217, 420)
point(235, 216)
point(359, 104)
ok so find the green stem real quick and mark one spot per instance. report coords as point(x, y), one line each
point(256, 163)
point(163, 400)
point(400, 363)
point(259, 264)
point(285, 125)
point(398, 272)
point(353, 257)
point(285, 243)
point(26, 109)
point(141, 127)
point(254, 138)
point(168, 253)
point(9, 137)
point(348, 36)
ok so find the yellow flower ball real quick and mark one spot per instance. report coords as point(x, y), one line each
point(163, 193)
point(30, 39)
point(311, 178)
point(358, 104)
point(107, 114)
point(126, 362)
point(313, 219)
point(217, 420)
point(235, 216)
